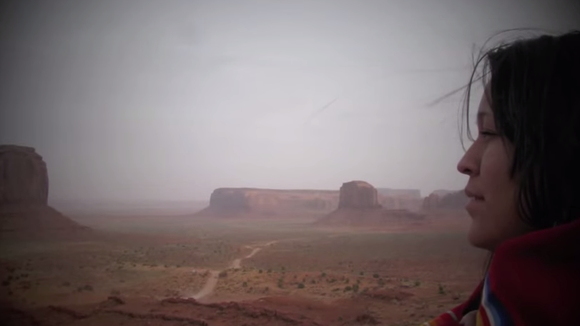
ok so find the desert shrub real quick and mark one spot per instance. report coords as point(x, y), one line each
point(376, 275)
point(223, 274)
point(301, 285)
point(441, 289)
point(366, 319)
point(88, 288)
point(417, 283)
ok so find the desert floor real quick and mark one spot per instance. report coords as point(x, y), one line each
point(182, 270)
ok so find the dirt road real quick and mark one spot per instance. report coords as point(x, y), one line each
point(213, 278)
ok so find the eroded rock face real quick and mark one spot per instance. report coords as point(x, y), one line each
point(228, 202)
point(358, 195)
point(409, 199)
point(445, 200)
point(24, 212)
point(23, 176)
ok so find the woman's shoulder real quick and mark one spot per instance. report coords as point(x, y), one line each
point(534, 280)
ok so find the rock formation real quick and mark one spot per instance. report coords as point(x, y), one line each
point(376, 218)
point(445, 200)
point(252, 202)
point(359, 207)
point(24, 194)
point(358, 195)
point(23, 176)
point(409, 199)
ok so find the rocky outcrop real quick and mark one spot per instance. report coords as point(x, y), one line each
point(24, 195)
point(409, 193)
point(365, 218)
point(359, 207)
point(23, 176)
point(248, 202)
point(443, 199)
point(358, 195)
point(409, 199)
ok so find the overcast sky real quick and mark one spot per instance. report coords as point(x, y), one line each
point(167, 100)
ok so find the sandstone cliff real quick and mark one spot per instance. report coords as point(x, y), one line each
point(23, 176)
point(24, 194)
point(358, 195)
point(442, 199)
point(409, 199)
point(359, 207)
point(252, 202)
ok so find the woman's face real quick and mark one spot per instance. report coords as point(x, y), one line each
point(492, 191)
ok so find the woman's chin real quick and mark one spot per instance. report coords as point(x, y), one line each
point(477, 238)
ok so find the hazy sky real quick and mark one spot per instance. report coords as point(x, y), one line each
point(167, 100)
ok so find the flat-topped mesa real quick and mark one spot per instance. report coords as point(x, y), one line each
point(230, 202)
point(23, 177)
point(445, 199)
point(358, 195)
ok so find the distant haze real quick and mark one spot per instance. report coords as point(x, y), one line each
point(167, 100)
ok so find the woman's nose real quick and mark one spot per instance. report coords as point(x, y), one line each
point(468, 164)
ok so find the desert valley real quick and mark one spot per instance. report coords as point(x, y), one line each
point(354, 255)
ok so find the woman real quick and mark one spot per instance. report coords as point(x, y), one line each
point(524, 185)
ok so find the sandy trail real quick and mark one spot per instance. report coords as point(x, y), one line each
point(209, 285)
point(213, 278)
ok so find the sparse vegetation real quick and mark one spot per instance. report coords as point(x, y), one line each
point(441, 289)
point(339, 268)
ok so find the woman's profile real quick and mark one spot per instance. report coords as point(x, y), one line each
point(524, 185)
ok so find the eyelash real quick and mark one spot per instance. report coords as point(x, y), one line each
point(487, 133)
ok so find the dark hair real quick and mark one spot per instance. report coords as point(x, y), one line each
point(534, 92)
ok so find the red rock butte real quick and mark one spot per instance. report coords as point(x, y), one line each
point(358, 195)
point(23, 176)
point(24, 193)
point(359, 207)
